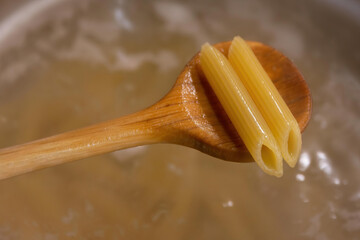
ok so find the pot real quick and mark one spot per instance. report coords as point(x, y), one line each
point(67, 64)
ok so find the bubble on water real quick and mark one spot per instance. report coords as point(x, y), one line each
point(228, 204)
point(300, 177)
point(324, 163)
point(304, 161)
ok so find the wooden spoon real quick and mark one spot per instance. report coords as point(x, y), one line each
point(189, 115)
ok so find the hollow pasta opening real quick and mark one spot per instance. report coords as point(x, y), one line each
point(268, 157)
point(292, 144)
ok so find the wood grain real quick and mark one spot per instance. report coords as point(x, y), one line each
point(188, 115)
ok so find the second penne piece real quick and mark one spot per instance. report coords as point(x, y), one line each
point(267, 98)
point(241, 110)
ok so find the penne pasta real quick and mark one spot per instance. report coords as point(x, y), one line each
point(241, 110)
point(276, 113)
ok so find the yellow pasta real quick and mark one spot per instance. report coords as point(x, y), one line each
point(276, 113)
point(241, 110)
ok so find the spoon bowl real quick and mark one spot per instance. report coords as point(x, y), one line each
point(189, 115)
point(204, 121)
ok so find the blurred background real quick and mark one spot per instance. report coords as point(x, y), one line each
point(67, 64)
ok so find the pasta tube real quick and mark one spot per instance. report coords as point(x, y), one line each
point(276, 113)
point(241, 110)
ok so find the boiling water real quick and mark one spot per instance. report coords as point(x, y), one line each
point(64, 65)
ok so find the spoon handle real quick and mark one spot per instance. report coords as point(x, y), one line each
point(125, 132)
